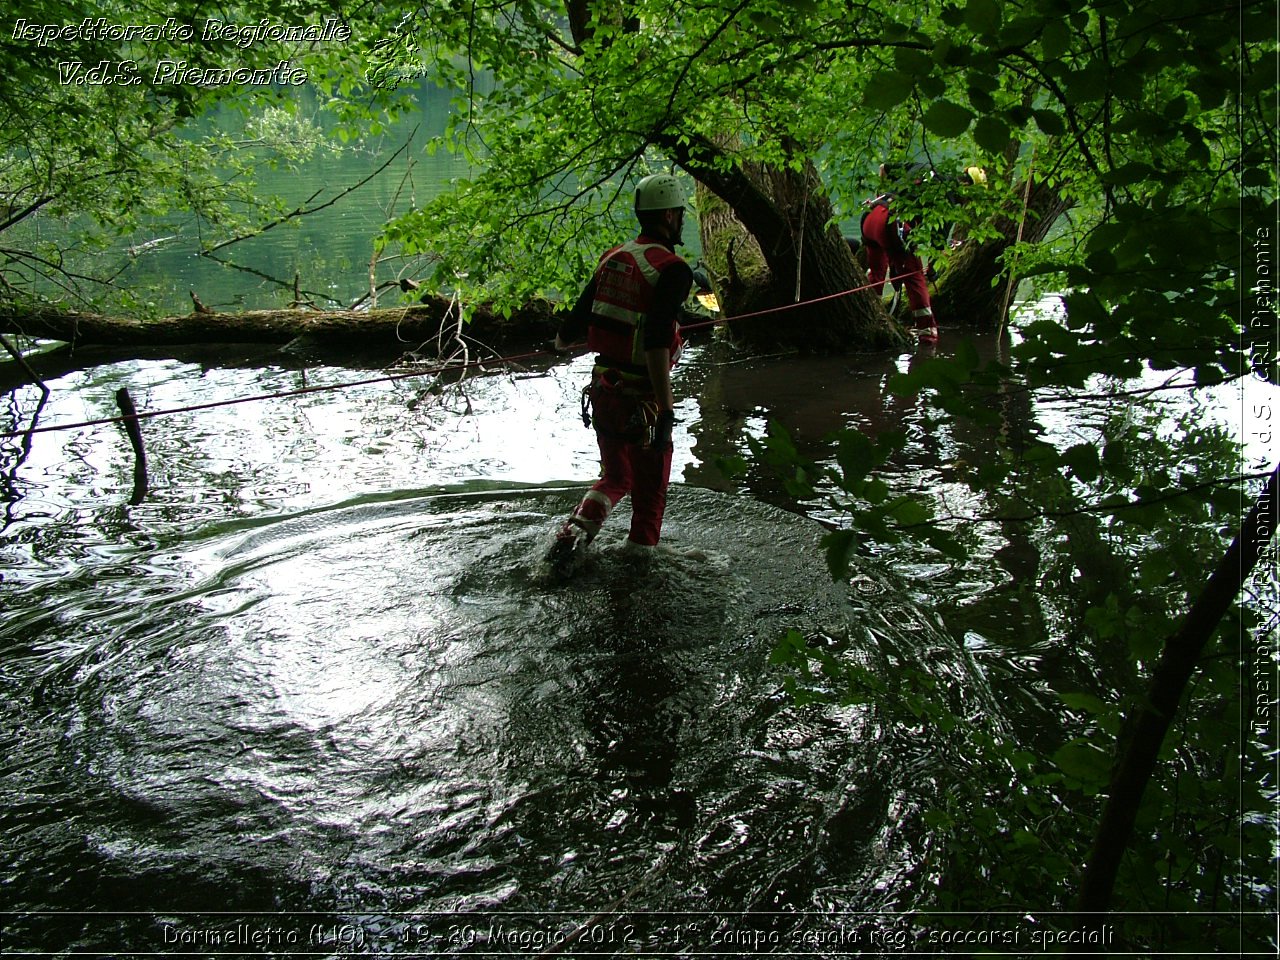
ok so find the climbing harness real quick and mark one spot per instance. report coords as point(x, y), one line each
point(621, 405)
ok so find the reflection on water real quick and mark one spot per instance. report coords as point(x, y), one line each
point(320, 669)
point(320, 672)
point(389, 704)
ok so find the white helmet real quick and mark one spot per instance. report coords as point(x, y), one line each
point(659, 191)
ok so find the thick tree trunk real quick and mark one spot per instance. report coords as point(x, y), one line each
point(732, 256)
point(421, 324)
point(974, 288)
point(786, 259)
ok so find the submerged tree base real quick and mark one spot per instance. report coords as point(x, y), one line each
point(801, 307)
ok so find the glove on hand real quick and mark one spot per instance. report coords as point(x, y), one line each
point(662, 430)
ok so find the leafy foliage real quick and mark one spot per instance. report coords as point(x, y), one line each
point(1126, 522)
point(850, 486)
point(1148, 122)
point(1018, 816)
point(98, 130)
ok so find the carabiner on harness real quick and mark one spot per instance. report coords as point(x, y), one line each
point(641, 425)
point(586, 406)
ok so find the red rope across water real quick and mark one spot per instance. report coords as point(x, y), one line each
point(391, 378)
point(793, 306)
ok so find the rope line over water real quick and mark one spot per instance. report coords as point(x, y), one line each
point(391, 378)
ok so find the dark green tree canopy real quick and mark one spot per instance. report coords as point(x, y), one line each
point(1130, 141)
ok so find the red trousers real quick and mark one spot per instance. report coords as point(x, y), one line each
point(629, 466)
point(885, 250)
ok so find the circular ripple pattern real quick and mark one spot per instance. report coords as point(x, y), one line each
point(357, 717)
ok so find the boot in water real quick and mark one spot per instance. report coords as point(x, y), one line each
point(569, 551)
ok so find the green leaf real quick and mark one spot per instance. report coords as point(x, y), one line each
point(909, 511)
point(944, 374)
point(942, 541)
point(949, 53)
point(1101, 261)
point(981, 101)
point(1208, 375)
point(1084, 701)
point(1256, 177)
point(790, 650)
point(886, 89)
point(1080, 759)
point(855, 455)
point(982, 16)
point(992, 134)
point(1025, 839)
point(780, 445)
point(1082, 459)
point(937, 819)
point(912, 62)
point(766, 21)
point(984, 79)
point(839, 546)
point(1049, 122)
point(1022, 31)
point(1087, 84)
point(732, 467)
point(1128, 174)
point(947, 119)
point(1116, 456)
point(875, 491)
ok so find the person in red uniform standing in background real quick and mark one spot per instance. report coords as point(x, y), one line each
point(889, 248)
point(628, 313)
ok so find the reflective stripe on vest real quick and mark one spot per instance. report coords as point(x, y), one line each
point(625, 281)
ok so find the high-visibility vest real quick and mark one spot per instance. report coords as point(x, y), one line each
point(625, 280)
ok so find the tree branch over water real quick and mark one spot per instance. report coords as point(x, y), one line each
point(1152, 719)
point(302, 210)
point(1097, 508)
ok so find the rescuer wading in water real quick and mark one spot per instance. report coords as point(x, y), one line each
point(628, 314)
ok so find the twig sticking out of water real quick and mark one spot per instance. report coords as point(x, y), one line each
point(26, 367)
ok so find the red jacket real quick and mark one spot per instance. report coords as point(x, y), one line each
point(624, 284)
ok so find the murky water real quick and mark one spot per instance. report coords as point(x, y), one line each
point(319, 678)
point(316, 693)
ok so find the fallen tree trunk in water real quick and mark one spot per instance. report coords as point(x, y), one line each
point(434, 318)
